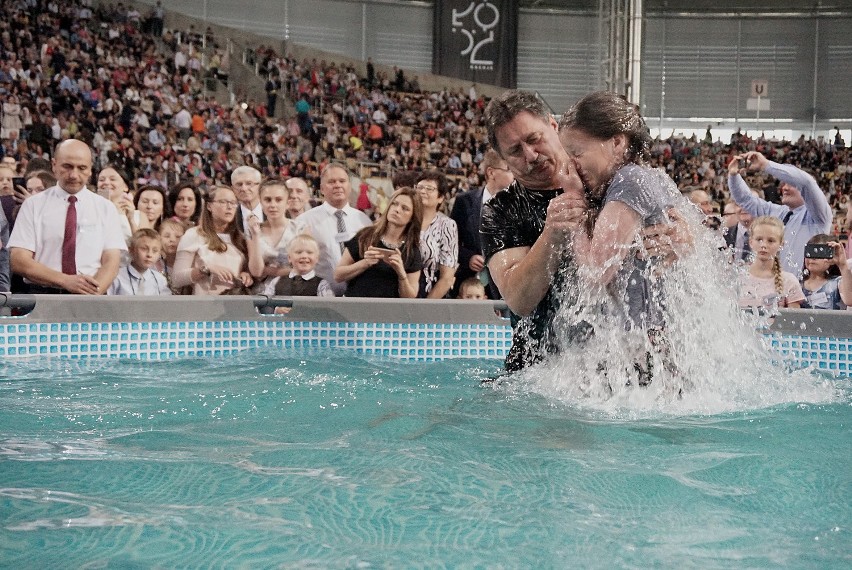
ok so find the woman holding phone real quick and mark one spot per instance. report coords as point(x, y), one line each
point(827, 279)
point(383, 260)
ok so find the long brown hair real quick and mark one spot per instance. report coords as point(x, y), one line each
point(372, 235)
point(602, 115)
point(207, 230)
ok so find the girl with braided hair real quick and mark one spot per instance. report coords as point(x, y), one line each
point(765, 284)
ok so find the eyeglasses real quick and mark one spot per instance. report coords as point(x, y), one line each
point(426, 188)
point(228, 203)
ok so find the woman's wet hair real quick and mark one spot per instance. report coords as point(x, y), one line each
point(603, 115)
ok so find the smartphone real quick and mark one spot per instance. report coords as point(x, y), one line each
point(19, 181)
point(386, 252)
point(819, 251)
point(743, 163)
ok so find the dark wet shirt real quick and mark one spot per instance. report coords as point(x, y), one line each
point(515, 218)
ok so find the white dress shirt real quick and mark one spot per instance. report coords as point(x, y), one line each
point(321, 223)
point(40, 228)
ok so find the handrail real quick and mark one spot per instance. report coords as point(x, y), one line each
point(17, 301)
point(28, 301)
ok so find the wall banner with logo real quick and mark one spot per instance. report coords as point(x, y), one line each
point(476, 40)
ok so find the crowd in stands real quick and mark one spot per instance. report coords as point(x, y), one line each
point(133, 92)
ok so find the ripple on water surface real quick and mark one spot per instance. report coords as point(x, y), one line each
point(267, 458)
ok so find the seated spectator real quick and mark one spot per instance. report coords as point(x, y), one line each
point(472, 288)
point(268, 240)
point(185, 203)
point(766, 286)
point(140, 276)
point(383, 260)
point(171, 231)
point(303, 252)
point(212, 256)
point(149, 203)
point(439, 238)
point(827, 283)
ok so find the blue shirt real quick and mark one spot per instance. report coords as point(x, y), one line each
point(806, 221)
point(826, 297)
point(129, 281)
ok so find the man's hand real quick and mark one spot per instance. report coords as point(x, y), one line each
point(668, 241)
point(81, 284)
point(566, 213)
point(755, 161)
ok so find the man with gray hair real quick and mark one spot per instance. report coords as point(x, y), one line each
point(298, 197)
point(245, 181)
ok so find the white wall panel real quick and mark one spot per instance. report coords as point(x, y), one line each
point(558, 57)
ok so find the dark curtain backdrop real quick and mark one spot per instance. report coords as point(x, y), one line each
point(476, 40)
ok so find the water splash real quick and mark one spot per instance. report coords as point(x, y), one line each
point(713, 358)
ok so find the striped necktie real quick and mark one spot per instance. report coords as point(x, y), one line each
point(341, 226)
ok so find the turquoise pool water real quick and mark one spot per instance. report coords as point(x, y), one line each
point(271, 459)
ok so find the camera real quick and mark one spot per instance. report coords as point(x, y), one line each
point(819, 251)
point(742, 163)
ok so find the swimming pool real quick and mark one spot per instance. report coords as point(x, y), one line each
point(330, 437)
point(270, 458)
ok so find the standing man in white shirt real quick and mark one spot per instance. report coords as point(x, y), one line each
point(68, 239)
point(333, 222)
point(245, 181)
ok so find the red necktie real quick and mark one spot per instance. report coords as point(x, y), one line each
point(69, 242)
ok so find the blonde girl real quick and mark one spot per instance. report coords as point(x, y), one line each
point(765, 284)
